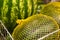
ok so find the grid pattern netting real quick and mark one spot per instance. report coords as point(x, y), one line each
point(37, 28)
point(4, 35)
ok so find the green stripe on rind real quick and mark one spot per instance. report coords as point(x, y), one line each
point(29, 4)
point(21, 8)
point(4, 11)
point(35, 6)
point(25, 9)
point(18, 4)
point(36, 10)
point(32, 10)
point(9, 9)
point(14, 11)
point(1, 5)
point(8, 15)
point(14, 15)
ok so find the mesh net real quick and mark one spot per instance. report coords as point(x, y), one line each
point(36, 28)
point(4, 34)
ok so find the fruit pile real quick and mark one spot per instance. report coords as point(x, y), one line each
point(25, 22)
point(11, 10)
point(38, 25)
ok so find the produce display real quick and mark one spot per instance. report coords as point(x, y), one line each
point(53, 10)
point(36, 27)
point(11, 10)
point(29, 20)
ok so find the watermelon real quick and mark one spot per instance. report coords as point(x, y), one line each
point(11, 10)
point(35, 27)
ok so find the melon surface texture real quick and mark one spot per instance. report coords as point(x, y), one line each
point(52, 9)
point(11, 10)
point(36, 27)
